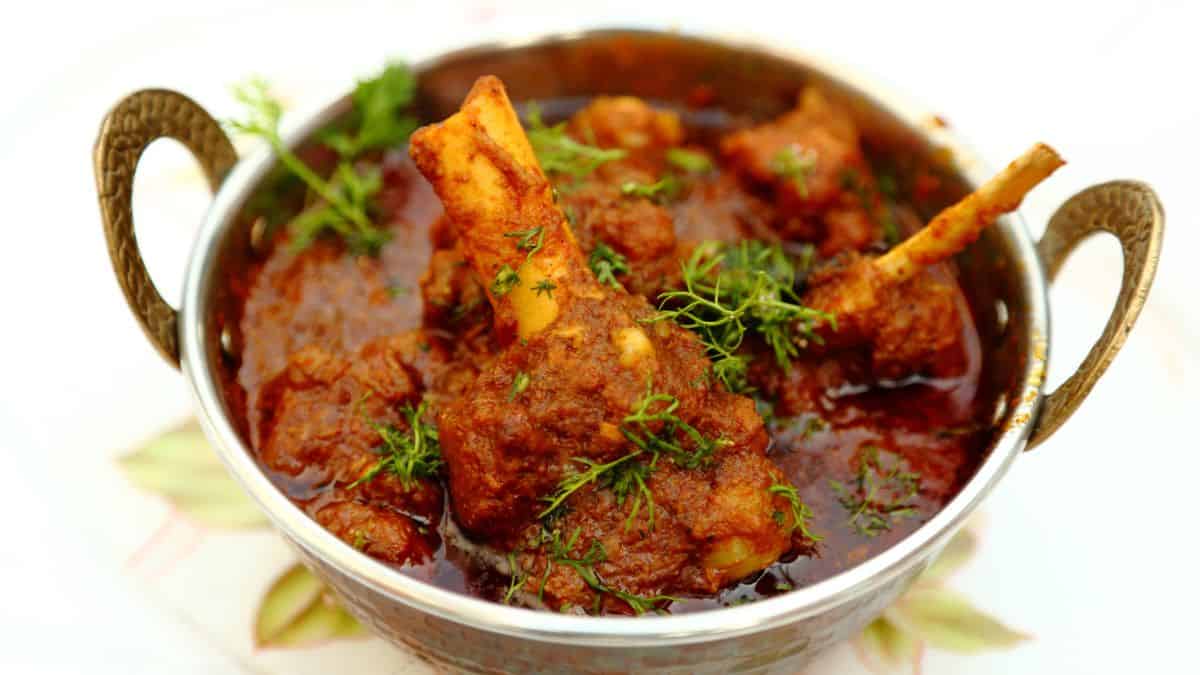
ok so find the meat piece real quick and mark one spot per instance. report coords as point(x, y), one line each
point(905, 304)
point(508, 453)
point(626, 122)
point(806, 158)
point(718, 208)
point(910, 327)
point(381, 531)
point(847, 227)
point(653, 233)
point(320, 429)
point(637, 228)
point(724, 503)
point(588, 394)
point(321, 296)
point(452, 294)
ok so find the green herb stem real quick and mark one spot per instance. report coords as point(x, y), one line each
point(731, 289)
point(412, 455)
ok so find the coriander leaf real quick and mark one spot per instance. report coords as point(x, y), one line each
point(528, 240)
point(516, 579)
point(796, 165)
point(506, 280)
point(606, 264)
point(630, 479)
point(663, 190)
point(881, 494)
point(343, 201)
point(560, 553)
point(379, 119)
point(800, 513)
point(412, 455)
point(559, 153)
point(299, 610)
point(181, 466)
point(519, 384)
point(689, 160)
point(654, 428)
point(732, 289)
point(357, 190)
point(572, 483)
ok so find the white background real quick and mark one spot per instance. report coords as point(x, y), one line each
point(1090, 543)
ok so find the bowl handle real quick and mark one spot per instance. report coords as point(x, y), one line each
point(1131, 212)
point(137, 121)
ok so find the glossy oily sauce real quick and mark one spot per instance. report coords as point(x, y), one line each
point(392, 397)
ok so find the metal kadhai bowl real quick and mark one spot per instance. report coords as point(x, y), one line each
point(1004, 269)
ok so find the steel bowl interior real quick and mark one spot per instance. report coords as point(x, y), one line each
point(748, 78)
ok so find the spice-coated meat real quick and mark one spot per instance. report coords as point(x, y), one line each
point(590, 386)
point(321, 427)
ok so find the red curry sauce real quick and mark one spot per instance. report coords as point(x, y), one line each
point(318, 313)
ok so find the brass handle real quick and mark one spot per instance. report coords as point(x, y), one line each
point(135, 122)
point(1132, 213)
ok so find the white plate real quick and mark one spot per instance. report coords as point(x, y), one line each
point(1067, 552)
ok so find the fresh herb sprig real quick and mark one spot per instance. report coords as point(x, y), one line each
point(663, 190)
point(629, 479)
point(520, 383)
point(732, 289)
point(606, 264)
point(506, 279)
point(882, 493)
point(380, 117)
point(355, 190)
point(560, 553)
point(516, 578)
point(671, 185)
point(799, 511)
point(529, 240)
point(411, 455)
point(593, 472)
point(690, 161)
point(654, 428)
point(792, 163)
point(559, 153)
point(344, 199)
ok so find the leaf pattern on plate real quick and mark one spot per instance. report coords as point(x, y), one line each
point(299, 610)
point(181, 466)
point(884, 647)
point(946, 620)
point(957, 553)
point(933, 616)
